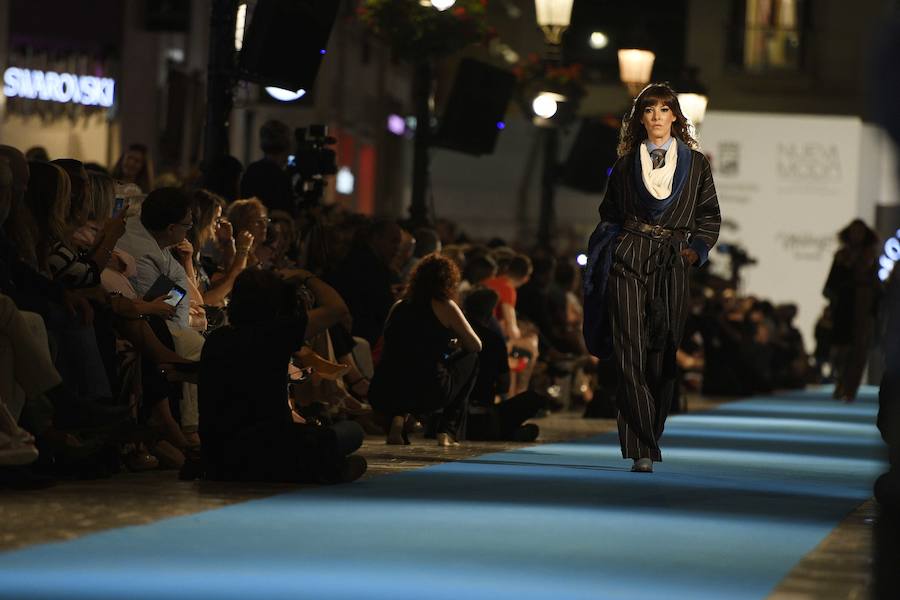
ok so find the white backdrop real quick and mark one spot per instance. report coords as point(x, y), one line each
point(786, 185)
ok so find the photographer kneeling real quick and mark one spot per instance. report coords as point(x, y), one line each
point(246, 423)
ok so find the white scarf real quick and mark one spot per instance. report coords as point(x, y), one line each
point(659, 181)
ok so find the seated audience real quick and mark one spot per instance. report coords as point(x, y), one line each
point(513, 273)
point(250, 216)
point(136, 167)
point(493, 415)
point(248, 429)
point(365, 278)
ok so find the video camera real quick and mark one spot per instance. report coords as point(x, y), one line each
point(313, 159)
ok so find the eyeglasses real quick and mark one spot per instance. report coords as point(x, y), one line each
point(262, 221)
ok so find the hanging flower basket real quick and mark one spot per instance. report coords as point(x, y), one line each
point(416, 32)
point(533, 73)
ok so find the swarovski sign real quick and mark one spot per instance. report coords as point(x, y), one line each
point(58, 87)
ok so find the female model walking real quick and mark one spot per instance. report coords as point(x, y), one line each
point(659, 216)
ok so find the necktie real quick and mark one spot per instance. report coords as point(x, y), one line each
point(658, 156)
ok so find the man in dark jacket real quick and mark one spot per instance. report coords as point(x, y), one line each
point(267, 178)
point(365, 279)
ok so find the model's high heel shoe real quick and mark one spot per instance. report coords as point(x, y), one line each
point(397, 435)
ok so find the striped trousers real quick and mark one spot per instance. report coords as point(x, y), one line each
point(647, 307)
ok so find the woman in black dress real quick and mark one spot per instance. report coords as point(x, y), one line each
point(429, 360)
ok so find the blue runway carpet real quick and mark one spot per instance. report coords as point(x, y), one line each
point(744, 493)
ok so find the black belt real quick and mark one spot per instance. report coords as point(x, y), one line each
point(656, 232)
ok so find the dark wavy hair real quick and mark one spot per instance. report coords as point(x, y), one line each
point(261, 297)
point(633, 131)
point(870, 238)
point(435, 277)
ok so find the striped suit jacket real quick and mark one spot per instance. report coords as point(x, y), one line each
point(696, 209)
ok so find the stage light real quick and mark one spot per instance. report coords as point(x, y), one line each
point(501, 125)
point(283, 95)
point(599, 40)
point(442, 5)
point(581, 260)
point(545, 105)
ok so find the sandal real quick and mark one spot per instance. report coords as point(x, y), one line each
point(350, 385)
point(141, 460)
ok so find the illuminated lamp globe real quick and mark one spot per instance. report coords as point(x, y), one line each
point(442, 5)
point(635, 67)
point(599, 40)
point(553, 17)
point(545, 105)
point(693, 106)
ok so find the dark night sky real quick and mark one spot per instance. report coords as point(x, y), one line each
point(658, 26)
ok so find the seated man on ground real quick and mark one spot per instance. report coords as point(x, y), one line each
point(248, 429)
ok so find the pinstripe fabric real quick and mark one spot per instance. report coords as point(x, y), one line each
point(647, 273)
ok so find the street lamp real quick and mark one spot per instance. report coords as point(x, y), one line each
point(553, 17)
point(635, 67)
point(693, 106)
point(599, 40)
point(692, 96)
point(546, 104)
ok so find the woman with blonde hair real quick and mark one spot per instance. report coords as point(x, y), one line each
point(250, 215)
